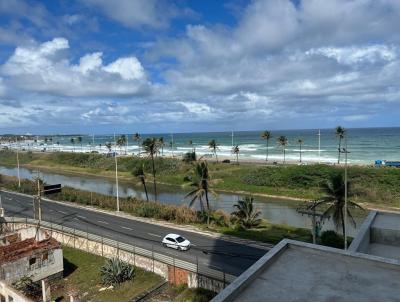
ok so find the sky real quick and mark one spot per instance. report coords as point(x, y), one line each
point(155, 66)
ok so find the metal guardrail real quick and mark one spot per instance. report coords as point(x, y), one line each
point(189, 266)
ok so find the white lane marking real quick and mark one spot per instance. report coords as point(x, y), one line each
point(80, 216)
point(192, 244)
point(62, 212)
point(8, 198)
point(155, 235)
point(51, 210)
point(126, 228)
point(101, 221)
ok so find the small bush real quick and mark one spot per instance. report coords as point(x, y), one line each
point(226, 161)
point(189, 157)
point(332, 239)
point(115, 272)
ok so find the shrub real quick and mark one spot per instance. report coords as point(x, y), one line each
point(189, 157)
point(226, 161)
point(29, 288)
point(332, 239)
point(115, 272)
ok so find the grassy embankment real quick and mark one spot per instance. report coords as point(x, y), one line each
point(82, 276)
point(220, 221)
point(373, 187)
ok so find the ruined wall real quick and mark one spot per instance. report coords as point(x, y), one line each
point(42, 268)
point(7, 292)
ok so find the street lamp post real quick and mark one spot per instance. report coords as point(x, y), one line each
point(345, 151)
point(116, 170)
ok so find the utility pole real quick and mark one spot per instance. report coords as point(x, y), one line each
point(310, 210)
point(19, 178)
point(116, 170)
point(319, 146)
point(39, 197)
point(345, 151)
point(172, 145)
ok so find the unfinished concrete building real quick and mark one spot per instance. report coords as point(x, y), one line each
point(29, 252)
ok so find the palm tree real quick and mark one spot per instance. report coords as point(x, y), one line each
point(246, 214)
point(201, 187)
point(73, 142)
point(283, 141)
point(151, 147)
point(121, 141)
point(109, 147)
point(162, 144)
point(340, 133)
point(335, 199)
point(266, 135)
point(80, 141)
point(137, 138)
point(139, 173)
point(190, 142)
point(300, 141)
point(214, 147)
point(236, 151)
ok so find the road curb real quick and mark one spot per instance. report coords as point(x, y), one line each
point(183, 227)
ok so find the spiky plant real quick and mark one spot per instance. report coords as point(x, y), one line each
point(246, 214)
point(114, 272)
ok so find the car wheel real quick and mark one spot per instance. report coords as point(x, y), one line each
point(164, 245)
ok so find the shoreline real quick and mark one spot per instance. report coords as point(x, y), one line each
point(247, 160)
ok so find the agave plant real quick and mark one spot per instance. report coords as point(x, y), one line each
point(115, 272)
point(246, 214)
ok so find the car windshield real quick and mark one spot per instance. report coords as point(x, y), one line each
point(180, 239)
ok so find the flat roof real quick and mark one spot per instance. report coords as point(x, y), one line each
point(387, 221)
point(295, 271)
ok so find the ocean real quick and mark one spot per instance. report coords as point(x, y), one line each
point(365, 145)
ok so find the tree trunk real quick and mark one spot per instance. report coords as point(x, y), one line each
point(216, 156)
point(343, 225)
point(340, 141)
point(145, 188)
point(266, 159)
point(154, 177)
point(300, 152)
point(208, 209)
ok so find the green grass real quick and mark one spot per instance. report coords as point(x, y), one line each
point(373, 186)
point(82, 275)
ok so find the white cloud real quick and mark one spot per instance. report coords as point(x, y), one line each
point(356, 55)
point(127, 68)
point(44, 68)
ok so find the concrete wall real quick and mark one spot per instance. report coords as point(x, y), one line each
point(363, 239)
point(8, 292)
point(13, 271)
point(193, 280)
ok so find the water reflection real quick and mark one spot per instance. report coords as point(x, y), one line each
point(274, 210)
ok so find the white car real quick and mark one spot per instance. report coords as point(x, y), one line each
point(176, 241)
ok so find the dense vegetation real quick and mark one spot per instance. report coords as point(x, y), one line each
point(218, 220)
point(375, 186)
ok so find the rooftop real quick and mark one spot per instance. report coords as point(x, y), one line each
point(21, 249)
point(296, 271)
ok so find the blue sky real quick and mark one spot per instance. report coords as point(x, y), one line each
point(99, 66)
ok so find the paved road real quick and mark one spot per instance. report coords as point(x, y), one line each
point(218, 254)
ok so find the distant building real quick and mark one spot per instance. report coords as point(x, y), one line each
point(29, 252)
point(368, 271)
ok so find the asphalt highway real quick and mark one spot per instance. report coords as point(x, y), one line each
point(231, 258)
